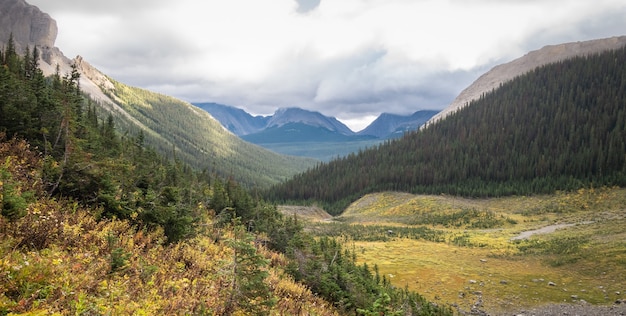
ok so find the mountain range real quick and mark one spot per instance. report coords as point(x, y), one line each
point(242, 123)
point(300, 132)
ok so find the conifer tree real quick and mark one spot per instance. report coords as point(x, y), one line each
point(247, 290)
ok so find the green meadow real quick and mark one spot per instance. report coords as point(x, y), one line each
point(497, 255)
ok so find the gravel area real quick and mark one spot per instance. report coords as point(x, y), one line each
point(574, 310)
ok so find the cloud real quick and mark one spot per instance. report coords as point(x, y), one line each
point(352, 59)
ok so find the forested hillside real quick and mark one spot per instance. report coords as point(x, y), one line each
point(96, 222)
point(559, 127)
point(177, 129)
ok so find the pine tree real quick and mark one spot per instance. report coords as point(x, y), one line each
point(247, 290)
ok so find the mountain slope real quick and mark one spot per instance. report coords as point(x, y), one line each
point(234, 119)
point(173, 127)
point(505, 72)
point(393, 125)
point(559, 127)
point(198, 139)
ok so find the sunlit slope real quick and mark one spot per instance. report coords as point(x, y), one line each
point(180, 130)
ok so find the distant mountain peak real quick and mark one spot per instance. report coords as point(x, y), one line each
point(389, 125)
point(288, 115)
point(236, 120)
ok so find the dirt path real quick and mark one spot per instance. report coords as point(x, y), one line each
point(545, 230)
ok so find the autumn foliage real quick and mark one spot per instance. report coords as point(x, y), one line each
point(58, 259)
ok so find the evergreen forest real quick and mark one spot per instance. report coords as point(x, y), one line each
point(94, 221)
point(559, 127)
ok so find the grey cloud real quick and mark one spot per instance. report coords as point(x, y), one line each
point(353, 86)
point(433, 91)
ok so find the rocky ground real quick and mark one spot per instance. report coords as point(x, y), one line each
point(580, 309)
point(577, 309)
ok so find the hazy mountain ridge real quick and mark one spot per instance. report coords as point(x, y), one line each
point(234, 119)
point(242, 123)
point(284, 116)
point(389, 125)
point(291, 131)
point(505, 72)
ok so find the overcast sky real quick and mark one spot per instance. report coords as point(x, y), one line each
point(351, 59)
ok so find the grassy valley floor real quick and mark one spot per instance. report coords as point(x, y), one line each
point(492, 254)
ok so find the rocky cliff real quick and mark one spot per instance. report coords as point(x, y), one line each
point(505, 72)
point(32, 28)
point(28, 25)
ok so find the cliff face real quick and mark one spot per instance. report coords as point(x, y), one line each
point(29, 26)
point(506, 72)
point(32, 28)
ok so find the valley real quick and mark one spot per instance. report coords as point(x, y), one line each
point(323, 151)
point(465, 252)
point(117, 200)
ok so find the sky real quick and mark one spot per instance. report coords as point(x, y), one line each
point(351, 59)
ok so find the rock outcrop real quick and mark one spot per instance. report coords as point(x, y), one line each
point(506, 72)
point(32, 28)
point(29, 26)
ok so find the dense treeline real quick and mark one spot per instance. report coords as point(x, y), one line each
point(559, 127)
point(63, 169)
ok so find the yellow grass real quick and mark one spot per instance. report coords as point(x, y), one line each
point(504, 278)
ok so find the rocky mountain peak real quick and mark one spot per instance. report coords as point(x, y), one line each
point(284, 116)
point(94, 75)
